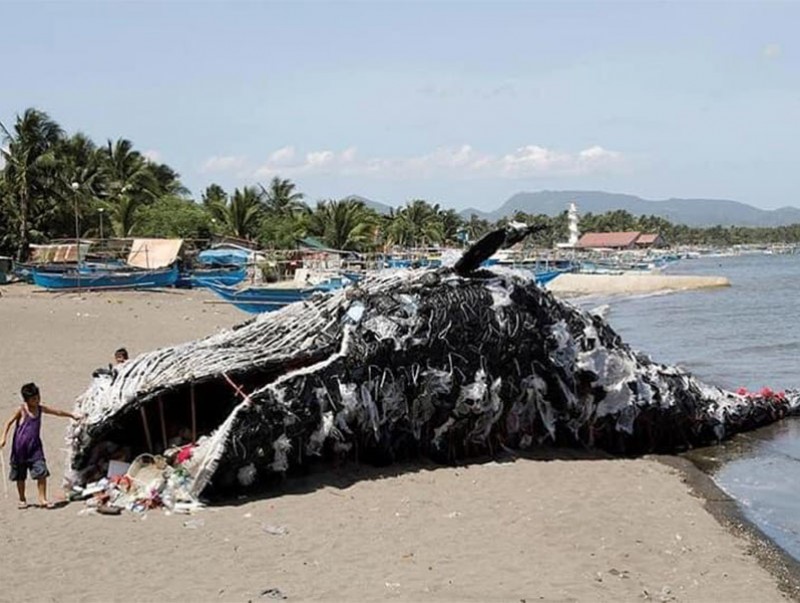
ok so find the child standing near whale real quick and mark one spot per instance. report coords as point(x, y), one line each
point(27, 451)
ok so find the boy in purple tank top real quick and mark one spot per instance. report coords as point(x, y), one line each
point(27, 452)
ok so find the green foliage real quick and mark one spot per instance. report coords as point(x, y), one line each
point(281, 200)
point(282, 231)
point(344, 224)
point(238, 216)
point(174, 217)
point(49, 178)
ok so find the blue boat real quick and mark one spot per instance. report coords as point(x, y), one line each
point(545, 276)
point(256, 300)
point(116, 279)
point(223, 275)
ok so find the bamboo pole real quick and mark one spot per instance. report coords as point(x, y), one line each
point(194, 413)
point(146, 430)
point(163, 423)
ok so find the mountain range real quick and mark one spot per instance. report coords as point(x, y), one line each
point(692, 212)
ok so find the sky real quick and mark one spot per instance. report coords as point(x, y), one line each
point(460, 103)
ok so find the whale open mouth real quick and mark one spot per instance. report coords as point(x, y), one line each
point(185, 400)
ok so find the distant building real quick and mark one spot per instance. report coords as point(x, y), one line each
point(620, 240)
point(608, 240)
point(651, 241)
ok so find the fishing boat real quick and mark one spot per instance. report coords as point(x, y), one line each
point(106, 279)
point(545, 276)
point(256, 300)
point(223, 275)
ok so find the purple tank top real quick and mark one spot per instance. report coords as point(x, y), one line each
point(27, 446)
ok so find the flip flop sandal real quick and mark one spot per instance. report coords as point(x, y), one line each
point(22, 505)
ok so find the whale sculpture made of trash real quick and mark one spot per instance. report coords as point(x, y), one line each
point(447, 363)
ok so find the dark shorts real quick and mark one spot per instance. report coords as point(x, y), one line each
point(37, 470)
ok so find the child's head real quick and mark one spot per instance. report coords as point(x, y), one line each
point(30, 393)
point(121, 355)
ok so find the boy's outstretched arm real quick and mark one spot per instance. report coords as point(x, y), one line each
point(14, 418)
point(57, 412)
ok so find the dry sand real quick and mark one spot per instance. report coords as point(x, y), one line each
point(520, 530)
point(630, 283)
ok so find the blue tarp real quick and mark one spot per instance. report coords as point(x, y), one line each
point(224, 257)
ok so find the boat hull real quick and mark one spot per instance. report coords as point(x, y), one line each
point(106, 280)
point(256, 300)
point(228, 276)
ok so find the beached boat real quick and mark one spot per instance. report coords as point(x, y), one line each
point(543, 277)
point(256, 300)
point(223, 275)
point(97, 279)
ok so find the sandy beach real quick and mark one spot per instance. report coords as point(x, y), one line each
point(557, 528)
point(630, 283)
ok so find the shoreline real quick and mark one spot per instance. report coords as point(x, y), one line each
point(780, 564)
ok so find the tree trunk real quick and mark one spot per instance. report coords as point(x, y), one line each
point(22, 249)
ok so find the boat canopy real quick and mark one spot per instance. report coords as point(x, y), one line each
point(154, 253)
point(224, 257)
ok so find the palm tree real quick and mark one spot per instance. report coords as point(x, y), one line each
point(241, 215)
point(78, 163)
point(213, 195)
point(29, 160)
point(281, 198)
point(418, 223)
point(452, 224)
point(123, 216)
point(168, 180)
point(126, 169)
point(345, 224)
point(476, 227)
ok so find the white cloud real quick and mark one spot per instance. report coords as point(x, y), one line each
point(461, 162)
point(223, 163)
point(282, 155)
point(771, 51)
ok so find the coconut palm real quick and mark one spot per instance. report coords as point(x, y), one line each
point(75, 188)
point(281, 199)
point(169, 183)
point(213, 195)
point(345, 224)
point(418, 223)
point(127, 170)
point(29, 163)
point(241, 215)
point(123, 216)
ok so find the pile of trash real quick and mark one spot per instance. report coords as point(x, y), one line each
point(149, 482)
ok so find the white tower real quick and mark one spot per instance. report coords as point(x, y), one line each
point(574, 234)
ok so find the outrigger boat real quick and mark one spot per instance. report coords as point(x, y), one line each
point(256, 300)
point(223, 275)
point(117, 279)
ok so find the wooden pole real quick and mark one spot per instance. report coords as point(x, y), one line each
point(194, 414)
point(163, 423)
point(146, 430)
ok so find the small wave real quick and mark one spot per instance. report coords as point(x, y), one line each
point(786, 346)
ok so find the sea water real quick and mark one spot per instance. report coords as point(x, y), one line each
point(746, 335)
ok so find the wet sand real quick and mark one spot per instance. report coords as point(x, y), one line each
point(556, 527)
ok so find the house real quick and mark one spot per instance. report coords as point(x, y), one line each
point(650, 241)
point(608, 240)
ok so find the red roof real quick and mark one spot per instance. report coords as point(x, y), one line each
point(614, 240)
point(647, 239)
